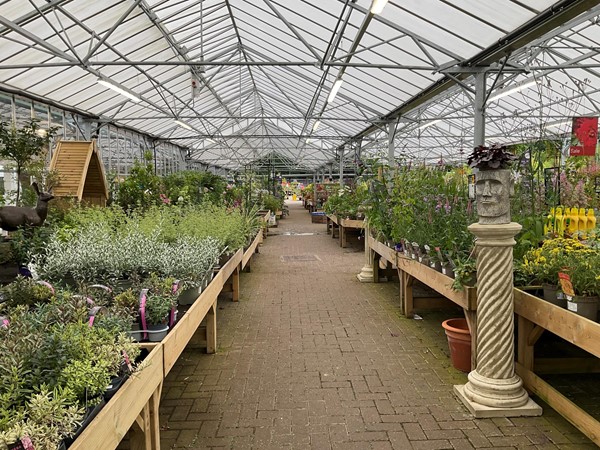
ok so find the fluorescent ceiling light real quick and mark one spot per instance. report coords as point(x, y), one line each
point(183, 125)
point(558, 124)
point(512, 89)
point(120, 89)
point(428, 124)
point(316, 125)
point(377, 6)
point(334, 90)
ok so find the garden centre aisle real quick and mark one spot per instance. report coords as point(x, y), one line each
point(311, 358)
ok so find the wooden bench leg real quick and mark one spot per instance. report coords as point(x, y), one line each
point(376, 258)
point(140, 433)
point(236, 284)
point(342, 237)
point(528, 334)
point(154, 417)
point(409, 300)
point(211, 329)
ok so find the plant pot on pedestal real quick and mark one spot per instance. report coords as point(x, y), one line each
point(584, 306)
point(459, 341)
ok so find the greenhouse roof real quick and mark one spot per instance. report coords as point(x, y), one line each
point(236, 81)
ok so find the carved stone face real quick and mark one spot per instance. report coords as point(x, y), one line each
point(494, 188)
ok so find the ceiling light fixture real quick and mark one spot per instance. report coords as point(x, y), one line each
point(377, 6)
point(513, 89)
point(118, 88)
point(334, 90)
point(429, 124)
point(316, 125)
point(183, 125)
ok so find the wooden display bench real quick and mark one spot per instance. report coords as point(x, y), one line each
point(134, 409)
point(534, 316)
point(250, 251)
point(342, 226)
point(205, 306)
point(410, 270)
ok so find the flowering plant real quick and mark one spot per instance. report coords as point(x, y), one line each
point(577, 259)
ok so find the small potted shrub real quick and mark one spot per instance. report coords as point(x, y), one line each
point(26, 291)
point(156, 311)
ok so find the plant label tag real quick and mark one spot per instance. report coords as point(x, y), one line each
point(572, 306)
point(23, 444)
point(127, 361)
point(565, 284)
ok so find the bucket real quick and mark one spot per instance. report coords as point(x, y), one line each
point(459, 341)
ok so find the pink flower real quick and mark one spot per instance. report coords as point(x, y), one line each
point(165, 199)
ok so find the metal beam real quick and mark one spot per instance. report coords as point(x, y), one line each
point(33, 38)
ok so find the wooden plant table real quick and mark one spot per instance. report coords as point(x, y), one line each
point(534, 316)
point(204, 306)
point(410, 270)
point(342, 226)
point(250, 251)
point(135, 406)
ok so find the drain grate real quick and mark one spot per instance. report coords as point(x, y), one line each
point(299, 258)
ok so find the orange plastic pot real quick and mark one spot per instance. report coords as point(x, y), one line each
point(459, 341)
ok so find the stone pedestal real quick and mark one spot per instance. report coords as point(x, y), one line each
point(493, 389)
point(366, 273)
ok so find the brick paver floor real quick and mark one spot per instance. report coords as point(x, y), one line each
point(312, 359)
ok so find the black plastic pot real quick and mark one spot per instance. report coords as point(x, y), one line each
point(113, 387)
point(91, 412)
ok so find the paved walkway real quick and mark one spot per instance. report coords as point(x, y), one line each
point(312, 359)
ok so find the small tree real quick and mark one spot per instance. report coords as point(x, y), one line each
point(22, 145)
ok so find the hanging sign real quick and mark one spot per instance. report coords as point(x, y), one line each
point(585, 134)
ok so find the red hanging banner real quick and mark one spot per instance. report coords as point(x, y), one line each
point(585, 132)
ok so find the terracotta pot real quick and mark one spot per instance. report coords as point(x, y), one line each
point(584, 306)
point(459, 341)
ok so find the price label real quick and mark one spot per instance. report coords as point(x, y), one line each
point(565, 283)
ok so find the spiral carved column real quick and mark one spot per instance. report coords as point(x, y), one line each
point(493, 388)
point(366, 273)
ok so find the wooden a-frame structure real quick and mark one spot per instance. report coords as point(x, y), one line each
point(81, 172)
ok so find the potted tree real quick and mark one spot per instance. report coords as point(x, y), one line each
point(23, 145)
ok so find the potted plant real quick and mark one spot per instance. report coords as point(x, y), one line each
point(26, 291)
point(156, 311)
point(584, 272)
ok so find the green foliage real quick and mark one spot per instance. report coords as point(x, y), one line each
point(347, 202)
point(158, 308)
point(272, 203)
point(47, 418)
point(25, 291)
point(194, 188)
point(141, 188)
point(22, 145)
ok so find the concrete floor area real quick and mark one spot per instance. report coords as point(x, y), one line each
point(312, 359)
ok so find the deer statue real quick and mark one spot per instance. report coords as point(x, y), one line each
point(14, 217)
